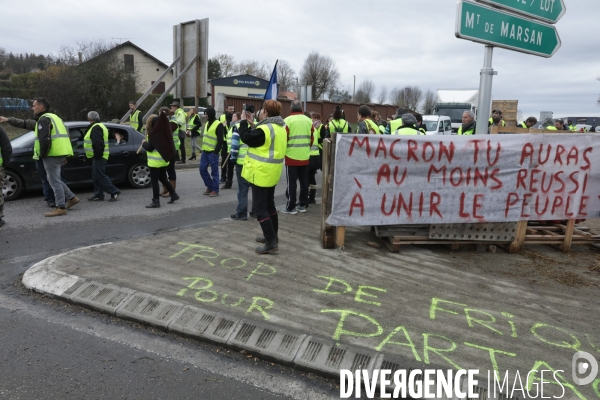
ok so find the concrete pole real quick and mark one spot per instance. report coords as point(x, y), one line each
point(485, 92)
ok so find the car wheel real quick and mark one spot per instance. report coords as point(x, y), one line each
point(13, 186)
point(139, 176)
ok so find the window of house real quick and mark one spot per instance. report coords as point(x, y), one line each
point(128, 62)
point(160, 89)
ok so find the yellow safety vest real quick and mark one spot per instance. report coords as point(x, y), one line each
point(407, 130)
point(155, 160)
point(492, 122)
point(395, 124)
point(209, 142)
point(230, 135)
point(175, 134)
point(524, 125)
point(552, 128)
point(341, 128)
point(263, 165)
point(314, 149)
point(134, 119)
point(371, 125)
point(469, 132)
point(61, 142)
point(87, 141)
point(298, 145)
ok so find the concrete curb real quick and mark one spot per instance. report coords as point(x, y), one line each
point(300, 350)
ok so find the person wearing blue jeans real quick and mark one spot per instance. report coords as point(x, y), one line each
point(212, 142)
point(211, 180)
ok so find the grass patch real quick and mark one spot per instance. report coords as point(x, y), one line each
point(13, 132)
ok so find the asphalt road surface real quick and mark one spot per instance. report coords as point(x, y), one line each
point(53, 350)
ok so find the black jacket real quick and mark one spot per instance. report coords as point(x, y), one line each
point(5, 147)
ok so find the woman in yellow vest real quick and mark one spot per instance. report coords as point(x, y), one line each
point(338, 123)
point(159, 147)
point(267, 144)
point(365, 124)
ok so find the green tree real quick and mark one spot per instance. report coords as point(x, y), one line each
point(214, 68)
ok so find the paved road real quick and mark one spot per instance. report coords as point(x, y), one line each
point(51, 349)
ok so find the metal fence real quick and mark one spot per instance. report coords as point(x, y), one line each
point(325, 108)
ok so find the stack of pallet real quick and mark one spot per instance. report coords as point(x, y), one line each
point(509, 110)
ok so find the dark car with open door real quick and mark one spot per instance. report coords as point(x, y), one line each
point(124, 163)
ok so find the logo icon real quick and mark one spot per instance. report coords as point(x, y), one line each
point(235, 81)
point(257, 83)
point(584, 363)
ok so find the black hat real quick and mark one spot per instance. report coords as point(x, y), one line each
point(250, 108)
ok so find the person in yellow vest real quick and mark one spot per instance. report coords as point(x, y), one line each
point(365, 124)
point(235, 122)
point(95, 144)
point(263, 164)
point(159, 147)
point(571, 126)
point(559, 125)
point(212, 142)
point(135, 118)
point(194, 125)
point(396, 122)
point(316, 151)
point(53, 146)
point(338, 123)
point(180, 117)
point(225, 119)
point(299, 128)
point(468, 124)
point(5, 154)
point(237, 154)
point(409, 126)
point(496, 120)
point(528, 123)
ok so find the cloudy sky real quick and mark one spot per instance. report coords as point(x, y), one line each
point(394, 43)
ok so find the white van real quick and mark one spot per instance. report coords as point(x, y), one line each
point(437, 124)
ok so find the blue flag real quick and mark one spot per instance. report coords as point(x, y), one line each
point(271, 93)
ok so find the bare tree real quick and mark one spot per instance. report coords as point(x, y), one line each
point(383, 95)
point(397, 96)
point(227, 64)
point(320, 72)
point(364, 93)
point(254, 68)
point(413, 95)
point(286, 76)
point(429, 102)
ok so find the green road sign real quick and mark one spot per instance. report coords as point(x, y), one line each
point(487, 25)
point(546, 10)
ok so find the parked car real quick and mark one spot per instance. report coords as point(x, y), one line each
point(438, 125)
point(124, 164)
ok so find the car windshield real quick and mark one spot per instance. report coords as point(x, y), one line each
point(431, 125)
point(455, 114)
point(25, 140)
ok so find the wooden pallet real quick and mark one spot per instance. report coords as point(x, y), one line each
point(394, 236)
point(562, 235)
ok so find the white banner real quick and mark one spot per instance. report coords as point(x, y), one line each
point(387, 180)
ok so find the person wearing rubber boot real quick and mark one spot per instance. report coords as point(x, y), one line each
point(5, 154)
point(263, 164)
point(160, 147)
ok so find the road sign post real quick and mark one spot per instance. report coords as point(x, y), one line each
point(545, 10)
point(495, 27)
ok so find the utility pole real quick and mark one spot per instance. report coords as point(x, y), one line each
point(354, 89)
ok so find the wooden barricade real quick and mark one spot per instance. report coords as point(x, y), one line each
point(393, 237)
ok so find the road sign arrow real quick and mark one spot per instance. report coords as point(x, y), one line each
point(495, 27)
point(545, 10)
